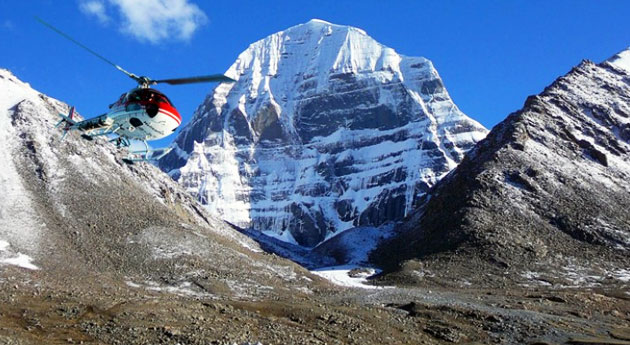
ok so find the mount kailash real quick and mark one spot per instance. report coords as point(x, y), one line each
point(324, 130)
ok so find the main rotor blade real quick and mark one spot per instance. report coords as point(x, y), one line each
point(198, 79)
point(131, 75)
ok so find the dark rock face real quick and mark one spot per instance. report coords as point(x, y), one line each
point(324, 130)
point(549, 185)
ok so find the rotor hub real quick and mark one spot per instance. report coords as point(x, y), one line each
point(144, 82)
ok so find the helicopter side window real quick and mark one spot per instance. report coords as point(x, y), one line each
point(135, 96)
point(164, 99)
point(132, 101)
point(120, 101)
point(144, 95)
point(168, 101)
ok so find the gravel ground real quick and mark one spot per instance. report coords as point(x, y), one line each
point(38, 308)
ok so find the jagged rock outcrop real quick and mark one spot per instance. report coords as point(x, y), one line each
point(324, 130)
point(548, 187)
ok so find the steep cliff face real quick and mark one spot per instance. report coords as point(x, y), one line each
point(548, 189)
point(324, 130)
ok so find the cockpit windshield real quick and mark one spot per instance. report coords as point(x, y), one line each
point(148, 95)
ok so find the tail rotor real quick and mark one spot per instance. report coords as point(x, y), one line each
point(68, 122)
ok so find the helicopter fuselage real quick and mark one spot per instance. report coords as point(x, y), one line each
point(140, 114)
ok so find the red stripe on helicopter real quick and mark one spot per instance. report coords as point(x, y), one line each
point(171, 111)
point(169, 114)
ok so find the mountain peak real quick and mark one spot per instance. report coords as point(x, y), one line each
point(325, 26)
point(547, 188)
point(324, 129)
point(316, 21)
point(7, 74)
point(319, 48)
point(621, 60)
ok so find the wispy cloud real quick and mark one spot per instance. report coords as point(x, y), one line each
point(150, 20)
point(95, 8)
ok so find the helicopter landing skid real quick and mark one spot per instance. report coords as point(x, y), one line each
point(147, 154)
point(120, 142)
point(99, 132)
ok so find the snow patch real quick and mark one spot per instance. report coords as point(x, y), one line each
point(183, 289)
point(21, 260)
point(576, 276)
point(534, 277)
point(348, 276)
point(357, 243)
point(622, 274)
point(284, 236)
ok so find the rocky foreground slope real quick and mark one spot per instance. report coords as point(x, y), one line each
point(74, 209)
point(543, 199)
point(324, 130)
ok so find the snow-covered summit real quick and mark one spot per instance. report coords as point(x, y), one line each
point(621, 60)
point(324, 129)
point(316, 21)
point(316, 50)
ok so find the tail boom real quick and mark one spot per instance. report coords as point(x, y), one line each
point(69, 122)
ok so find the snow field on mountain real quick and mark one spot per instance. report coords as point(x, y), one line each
point(21, 260)
point(19, 229)
point(621, 60)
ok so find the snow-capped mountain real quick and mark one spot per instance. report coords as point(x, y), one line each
point(324, 130)
point(547, 192)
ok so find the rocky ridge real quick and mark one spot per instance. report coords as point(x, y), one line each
point(543, 198)
point(324, 130)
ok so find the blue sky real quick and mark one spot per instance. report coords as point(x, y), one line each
point(491, 54)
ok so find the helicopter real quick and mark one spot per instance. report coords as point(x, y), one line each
point(142, 113)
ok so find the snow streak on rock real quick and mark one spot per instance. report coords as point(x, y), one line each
point(19, 224)
point(324, 130)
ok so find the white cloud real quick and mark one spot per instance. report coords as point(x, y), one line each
point(149, 20)
point(95, 8)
